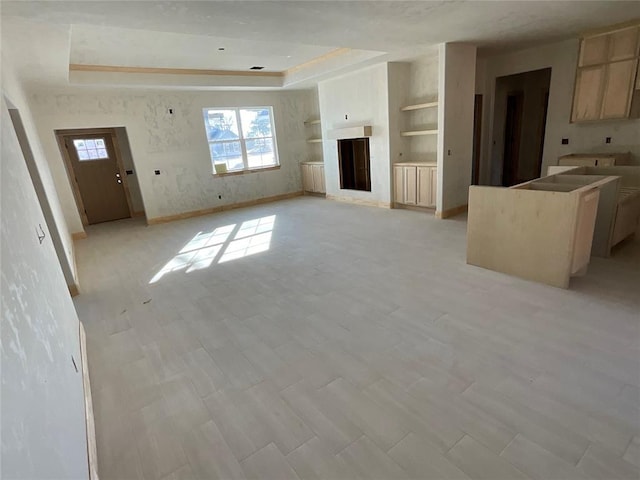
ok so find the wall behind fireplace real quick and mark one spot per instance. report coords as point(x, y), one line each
point(362, 97)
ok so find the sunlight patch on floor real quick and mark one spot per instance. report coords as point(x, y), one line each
point(251, 237)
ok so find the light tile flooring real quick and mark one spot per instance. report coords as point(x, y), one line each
point(313, 339)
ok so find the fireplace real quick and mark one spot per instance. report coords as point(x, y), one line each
point(353, 159)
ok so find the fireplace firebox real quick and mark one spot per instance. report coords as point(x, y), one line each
point(353, 159)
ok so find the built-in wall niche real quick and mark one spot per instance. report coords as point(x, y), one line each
point(355, 168)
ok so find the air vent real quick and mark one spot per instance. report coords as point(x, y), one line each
point(256, 68)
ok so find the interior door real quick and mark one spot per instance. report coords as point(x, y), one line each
point(98, 177)
point(512, 133)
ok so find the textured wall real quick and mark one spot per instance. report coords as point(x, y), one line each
point(363, 97)
point(43, 430)
point(562, 57)
point(13, 90)
point(175, 144)
point(423, 88)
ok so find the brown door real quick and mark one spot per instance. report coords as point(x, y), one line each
point(477, 138)
point(98, 177)
point(512, 132)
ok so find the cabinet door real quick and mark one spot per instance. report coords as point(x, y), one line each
point(594, 50)
point(424, 186)
point(318, 178)
point(587, 96)
point(410, 185)
point(618, 88)
point(398, 184)
point(307, 178)
point(433, 178)
point(623, 44)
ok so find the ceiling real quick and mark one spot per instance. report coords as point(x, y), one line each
point(305, 40)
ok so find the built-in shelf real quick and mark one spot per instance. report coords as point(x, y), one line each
point(314, 140)
point(315, 121)
point(419, 106)
point(416, 133)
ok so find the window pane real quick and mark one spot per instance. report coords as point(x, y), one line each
point(227, 152)
point(90, 149)
point(256, 122)
point(221, 125)
point(260, 152)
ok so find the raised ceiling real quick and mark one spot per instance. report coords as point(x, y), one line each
point(298, 38)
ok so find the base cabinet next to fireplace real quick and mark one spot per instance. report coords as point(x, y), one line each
point(313, 177)
point(415, 184)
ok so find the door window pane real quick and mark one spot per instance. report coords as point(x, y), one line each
point(90, 149)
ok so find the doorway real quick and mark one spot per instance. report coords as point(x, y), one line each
point(477, 139)
point(512, 132)
point(97, 174)
point(519, 125)
point(355, 168)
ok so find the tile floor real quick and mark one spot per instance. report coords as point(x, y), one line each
point(313, 339)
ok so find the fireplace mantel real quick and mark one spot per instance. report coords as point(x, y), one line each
point(360, 131)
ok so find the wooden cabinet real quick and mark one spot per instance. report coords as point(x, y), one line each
point(313, 177)
point(606, 75)
point(415, 184)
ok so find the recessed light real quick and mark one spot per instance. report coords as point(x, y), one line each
point(256, 68)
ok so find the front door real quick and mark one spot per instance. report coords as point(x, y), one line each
point(98, 177)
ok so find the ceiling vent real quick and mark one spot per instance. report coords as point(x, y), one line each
point(256, 68)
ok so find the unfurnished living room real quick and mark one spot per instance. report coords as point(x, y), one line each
point(320, 240)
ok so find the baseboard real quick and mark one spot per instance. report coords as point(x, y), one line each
point(74, 290)
point(78, 235)
point(315, 194)
point(92, 451)
point(452, 212)
point(138, 214)
point(358, 201)
point(415, 208)
point(222, 208)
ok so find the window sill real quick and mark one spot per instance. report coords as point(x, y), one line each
point(244, 172)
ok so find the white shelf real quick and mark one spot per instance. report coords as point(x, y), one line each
point(416, 133)
point(313, 122)
point(314, 140)
point(419, 106)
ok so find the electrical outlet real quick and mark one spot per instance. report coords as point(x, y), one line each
point(219, 197)
point(170, 111)
point(565, 141)
point(157, 172)
point(607, 140)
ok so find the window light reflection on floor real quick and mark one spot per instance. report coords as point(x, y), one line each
point(253, 236)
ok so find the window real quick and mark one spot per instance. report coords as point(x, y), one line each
point(241, 138)
point(90, 149)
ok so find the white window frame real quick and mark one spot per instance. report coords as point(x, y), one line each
point(241, 138)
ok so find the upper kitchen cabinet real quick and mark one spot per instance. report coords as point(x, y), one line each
point(606, 75)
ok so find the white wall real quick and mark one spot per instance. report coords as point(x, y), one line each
point(127, 162)
point(43, 430)
point(456, 87)
point(562, 58)
point(174, 144)
point(362, 96)
point(14, 91)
